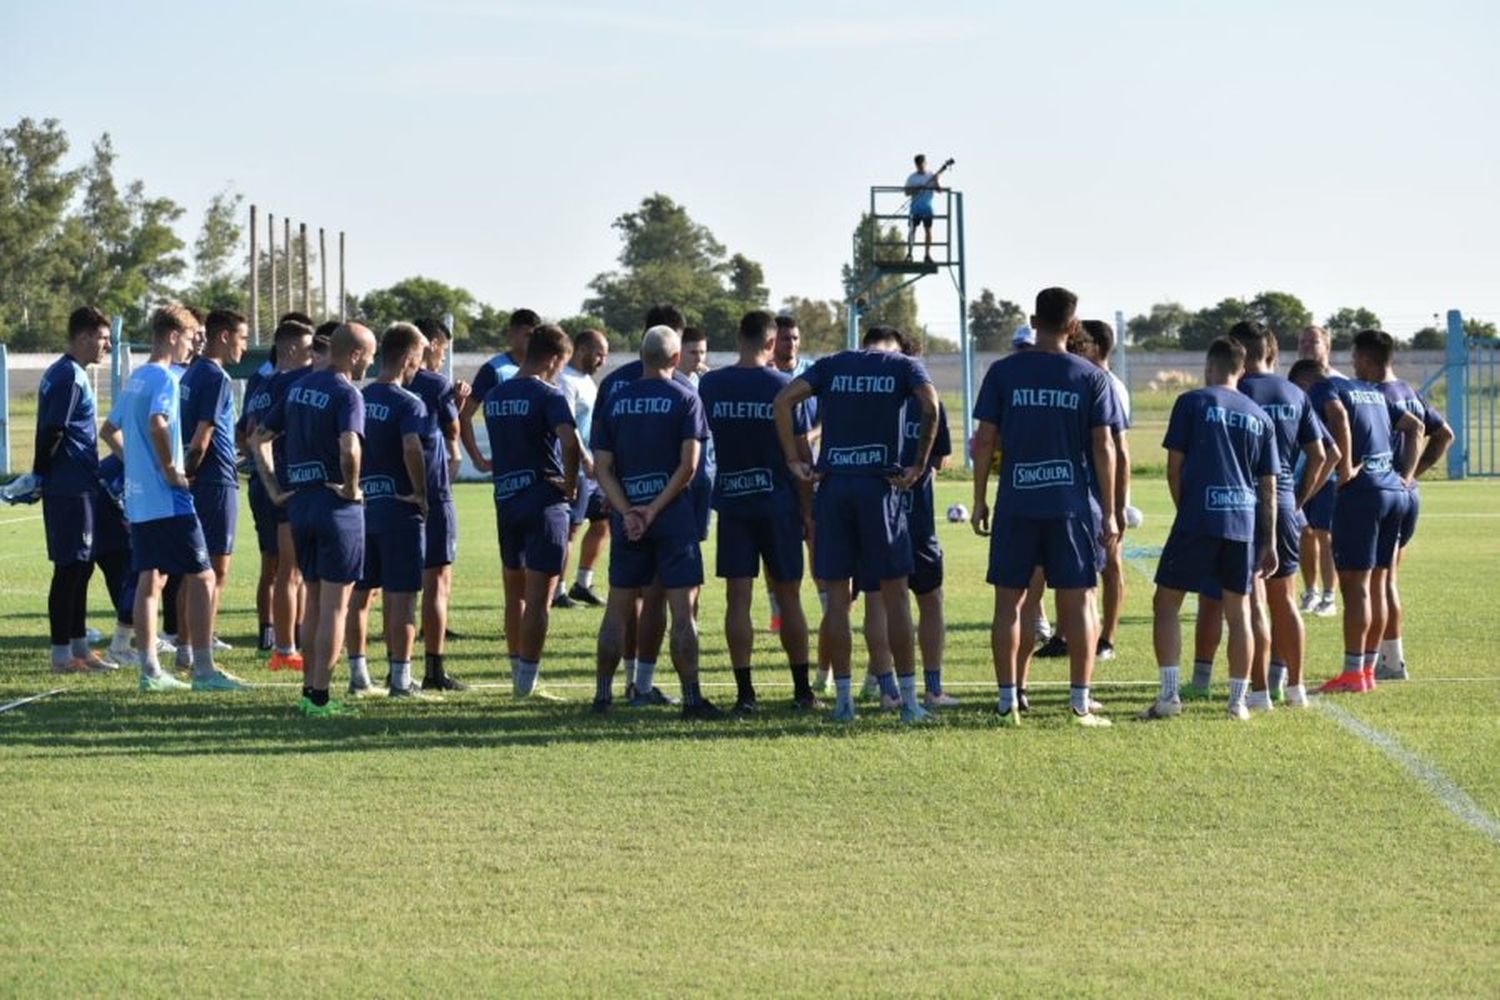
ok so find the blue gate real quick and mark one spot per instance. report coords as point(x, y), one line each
point(1473, 371)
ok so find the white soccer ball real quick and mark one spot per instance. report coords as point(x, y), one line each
point(958, 514)
point(1133, 517)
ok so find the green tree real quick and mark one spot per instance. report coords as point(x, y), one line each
point(1207, 325)
point(1284, 313)
point(1160, 328)
point(1479, 329)
point(1344, 324)
point(882, 299)
point(35, 192)
point(218, 282)
point(992, 321)
point(821, 323)
point(577, 324)
point(1429, 338)
point(413, 298)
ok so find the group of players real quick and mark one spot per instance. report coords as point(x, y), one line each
point(351, 493)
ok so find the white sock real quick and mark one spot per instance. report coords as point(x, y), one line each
point(585, 578)
point(775, 604)
point(629, 672)
point(61, 654)
point(150, 665)
point(1327, 595)
point(645, 675)
point(1354, 663)
point(1238, 688)
point(1169, 683)
point(1392, 653)
point(184, 656)
point(359, 668)
point(1296, 694)
point(908, 685)
point(124, 636)
point(400, 672)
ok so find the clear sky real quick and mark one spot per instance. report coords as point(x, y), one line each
point(1134, 150)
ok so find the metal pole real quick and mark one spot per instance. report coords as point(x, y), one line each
point(343, 298)
point(306, 275)
point(448, 356)
point(957, 198)
point(323, 269)
point(271, 258)
point(1120, 351)
point(254, 280)
point(286, 253)
point(117, 349)
point(1458, 395)
point(4, 411)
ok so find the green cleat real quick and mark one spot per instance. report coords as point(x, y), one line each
point(333, 708)
point(540, 693)
point(1192, 692)
point(1011, 719)
point(158, 683)
point(219, 681)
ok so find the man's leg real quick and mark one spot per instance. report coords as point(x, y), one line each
point(739, 633)
point(1326, 569)
point(220, 566)
point(1309, 569)
point(1354, 584)
point(650, 632)
point(1078, 621)
point(198, 616)
point(62, 598)
point(400, 611)
point(1260, 646)
point(836, 640)
point(1208, 632)
point(357, 638)
point(1007, 640)
point(895, 594)
point(333, 609)
point(684, 648)
point(1392, 662)
point(311, 592)
point(794, 639)
point(437, 590)
point(1113, 587)
point(931, 637)
point(1288, 635)
point(1379, 588)
point(927, 226)
point(1166, 641)
point(1240, 650)
point(286, 596)
point(881, 672)
point(592, 544)
point(147, 594)
point(264, 587)
point(618, 609)
point(536, 611)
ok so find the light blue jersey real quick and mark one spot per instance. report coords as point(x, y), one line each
point(151, 391)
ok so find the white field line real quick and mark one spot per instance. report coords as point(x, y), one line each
point(1442, 787)
point(20, 520)
point(29, 699)
point(984, 685)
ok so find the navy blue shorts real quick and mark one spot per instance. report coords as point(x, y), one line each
point(1319, 507)
point(589, 506)
point(1410, 515)
point(263, 513)
point(675, 560)
point(328, 533)
point(926, 552)
point(170, 545)
point(861, 528)
point(743, 542)
point(218, 508)
point(393, 559)
point(441, 548)
point(69, 522)
point(1206, 564)
point(701, 490)
point(1289, 524)
point(1065, 548)
point(534, 539)
point(1366, 528)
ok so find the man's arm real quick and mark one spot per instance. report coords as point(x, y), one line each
point(1174, 476)
point(986, 436)
point(572, 456)
point(160, 433)
point(203, 436)
point(1122, 476)
point(1317, 469)
point(926, 396)
point(797, 391)
point(111, 436)
point(415, 461)
point(350, 455)
point(1437, 446)
point(1265, 525)
point(1104, 469)
point(687, 467)
point(1337, 420)
point(604, 475)
point(1415, 433)
point(265, 463)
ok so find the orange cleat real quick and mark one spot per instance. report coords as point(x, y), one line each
point(1370, 678)
point(286, 661)
point(1348, 682)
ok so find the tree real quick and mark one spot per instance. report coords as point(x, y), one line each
point(883, 300)
point(667, 257)
point(1207, 325)
point(414, 298)
point(1161, 327)
point(1429, 338)
point(1344, 324)
point(574, 325)
point(1284, 313)
point(217, 281)
point(821, 322)
point(993, 322)
point(35, 192)
point(1479, 329)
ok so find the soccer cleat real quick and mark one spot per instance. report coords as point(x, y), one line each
point(165, 647)
point(219, 681)
point(820, 682)
point(540, 693)
point(162, 682)
point(1296, 697)
point(1327, 608)
point(1011, 719)
point(123, 654)
point(649, 699)
point(745, 707)
point(1192, 692)
point(96, 664)
point(601, 706)
point(220, 646)
point(890, 702)
point(1259, 701)
point(285, 661)
point(1089, 719)
point(412, 691)
point(328, 711)
point(1348, 682)
point(806, 702)
point(1095, 705)
point(1309, 602)
point(1369, 673)
point(703, 711)
point(1160, 709)
point(842, 714)
point(585, 595)
point(1386, 672)
point(1105, 650)
point(71, 666)
point(1238, 712)
point(1023, 701)
point(443, 682)
point(363, 688)
point(562, 600)
point(1053, 648)
point(914, 715)
point(1043, 629)
point(940, 699)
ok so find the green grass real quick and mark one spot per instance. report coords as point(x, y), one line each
point(223, 845)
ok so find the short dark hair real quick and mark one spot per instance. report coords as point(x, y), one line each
point(399, 340)
point(198, 314)
point(289, 330)
point(589, 335)
point(1102, 334)
point(547, 342)
point(785, 321)
point(693, 334)
point(433, 329)
point(1375, 344)
point(754, 324)
point(1251, 335)
point(919, 159)
point(524, 317)
point(1310, 369)
point(296, 317)
point(323, 336)
point(665, 314)
point(221, 320)
point(883, 335)
point(86, 319)
point(1055, 309)
point(1227, 355)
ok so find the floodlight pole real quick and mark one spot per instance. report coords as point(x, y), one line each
point(323, 270)
point(271, 257)
point(254, 281)
point(966, 350)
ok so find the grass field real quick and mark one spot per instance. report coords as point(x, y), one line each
point(224, 845)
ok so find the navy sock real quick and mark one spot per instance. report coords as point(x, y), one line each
point(604, 688)
point(690, 693)
point(932, 680)
point(434, 666)
point(800, 686)
point(745, 690)
point(887, 682)
point(319, 697)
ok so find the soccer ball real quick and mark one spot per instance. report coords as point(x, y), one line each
point(1133, 517)
point(958, 514)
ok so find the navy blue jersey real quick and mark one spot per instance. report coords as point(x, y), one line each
point(522, 416)
point(911, 435)
point(628, 373)
point(436, 394)
point(752, 479)
point(643, 427)
point(1372, 418)
point(502, 367)
point(111, 530)
point(257, 399)
point(317, 408)
point(1295, 424)
point(65, 402)
point(1404, 396)
point(1228, 444)
point(391, 413)
point(207, 394)
point(274, 413)
point(861, 398)
point(1046, 406)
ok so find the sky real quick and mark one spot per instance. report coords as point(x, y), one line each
point(1348, 152)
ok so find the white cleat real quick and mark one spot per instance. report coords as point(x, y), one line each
point(1296, 696)
point(1238, 712)
point(1259, 701)
point(165, 647)
point(124, 655)
point(940, 700)
point(220, 646)
point(1309, 602)
point(890, 703)
point(1161, 710)
point(1327, 608)
point(1089, 719)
